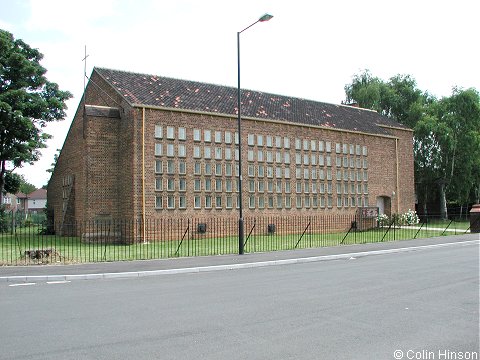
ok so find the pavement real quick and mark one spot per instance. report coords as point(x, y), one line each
point(141, 268)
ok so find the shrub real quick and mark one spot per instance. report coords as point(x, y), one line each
point(409, 218)
point(383, 220)
point(5, 221)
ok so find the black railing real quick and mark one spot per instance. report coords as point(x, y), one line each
point(115, 240)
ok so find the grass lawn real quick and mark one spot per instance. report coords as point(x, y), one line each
point(452, 225)
point(72, 250)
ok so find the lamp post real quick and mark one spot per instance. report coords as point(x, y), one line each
point(241, 249)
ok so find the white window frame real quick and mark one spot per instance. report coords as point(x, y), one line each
point(170, 202)
point(158, 167)
point(218, 137)
point(228, 137)
point(182, 150)
point(158, 202)
point(159, 184)
point(158, 149)
point(170, 132)
point(158, 132)
point(197, 135)
point(207, 135)
point(182, 133)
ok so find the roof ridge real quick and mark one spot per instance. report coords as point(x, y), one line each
point(220, 85)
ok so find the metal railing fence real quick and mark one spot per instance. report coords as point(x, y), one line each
point(119, 240)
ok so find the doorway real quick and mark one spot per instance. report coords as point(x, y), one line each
point(384, 204)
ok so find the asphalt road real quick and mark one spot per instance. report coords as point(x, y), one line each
point(422, 303)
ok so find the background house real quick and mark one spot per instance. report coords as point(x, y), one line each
point(9, 201)
point(37, 201)
point(21, 201)
point(33, 203)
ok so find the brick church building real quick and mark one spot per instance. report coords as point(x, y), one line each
point(147, 147)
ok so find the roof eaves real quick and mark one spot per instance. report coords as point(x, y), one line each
point(281, 122)
point(395, 127)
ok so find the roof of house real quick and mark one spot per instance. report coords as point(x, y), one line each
point(21, 195)
point(153, 90)
point(39, 194)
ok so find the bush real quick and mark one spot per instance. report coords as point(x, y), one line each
point(409, 218)
point(5, 221)
point(38, 218)
point(383, 220)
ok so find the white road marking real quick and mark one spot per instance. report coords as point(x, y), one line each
point(22, 284)
point(58, 282)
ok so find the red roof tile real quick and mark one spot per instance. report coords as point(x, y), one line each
point(141, 89)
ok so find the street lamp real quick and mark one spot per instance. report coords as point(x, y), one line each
point(241, 249)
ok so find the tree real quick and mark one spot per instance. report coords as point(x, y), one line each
point(12, 182)
point(366, 90)
point(446, 133)
point(404, 101)
point(28, 101)
point(25, 186)
point(55, 159)
point(463, 118)
point(399, 98)
point(447, 147)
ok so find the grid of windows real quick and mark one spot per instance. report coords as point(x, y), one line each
point(314, 166)
point(326, 173)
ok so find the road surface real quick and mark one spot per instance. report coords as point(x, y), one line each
point(413, 305)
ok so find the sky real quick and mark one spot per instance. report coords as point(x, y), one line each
point(309, 49)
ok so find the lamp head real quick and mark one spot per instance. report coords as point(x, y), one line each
point(265, 17)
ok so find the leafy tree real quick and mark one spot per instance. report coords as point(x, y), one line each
point(447, 147)
point(12, 182)
point(55, 159)
point(446, 133)
point(399, 98)
point(463, 117)
point(28, 101)
point(366, 90)
point(404, 101)
point(15, 183)
point(25, 186)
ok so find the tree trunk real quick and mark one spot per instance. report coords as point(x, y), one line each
point(443, 201)
point(425, 200)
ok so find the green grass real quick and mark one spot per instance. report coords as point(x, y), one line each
point(452, 225)
point(72, 250)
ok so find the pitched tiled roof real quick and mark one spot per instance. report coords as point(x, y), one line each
point(38, 194)
point(153, 90)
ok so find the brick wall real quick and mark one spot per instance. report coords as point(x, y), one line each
point(406, 185)
point(69, 166)
point(107, 164)
point(382, 169)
